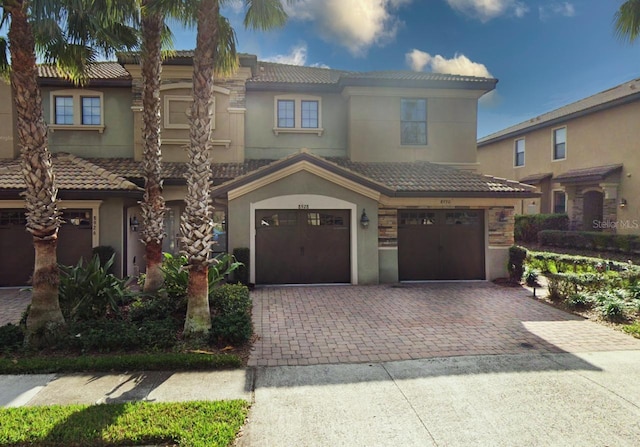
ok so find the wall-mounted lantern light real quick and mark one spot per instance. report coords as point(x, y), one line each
point(623, 203)
point(133, 223)
point(364, 219)
point(502, 216)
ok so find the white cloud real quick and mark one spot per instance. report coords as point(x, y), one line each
point(485, 10)
point(563, 9)
point(354, 24)
point(459, 64)
point(297, 56)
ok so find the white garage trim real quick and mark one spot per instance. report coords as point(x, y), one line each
point(297, 201)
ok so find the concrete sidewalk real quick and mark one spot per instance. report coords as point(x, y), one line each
point(561, 399)
point(97, 388)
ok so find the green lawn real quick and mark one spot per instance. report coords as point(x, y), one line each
point(193, 424)
point(124, 362)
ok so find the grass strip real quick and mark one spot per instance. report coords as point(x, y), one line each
point(124, 362)
point(633, 329)
point(192, 424)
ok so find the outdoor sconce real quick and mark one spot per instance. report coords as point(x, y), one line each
point(502, 217)
point(623, 203)
point(364, 219)
point(133, 223)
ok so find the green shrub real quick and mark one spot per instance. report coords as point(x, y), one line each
point(231, 309)
point(611, 304)
point(157, 307)
point(176, 277)
point(592, 240)
point(517, 255)
point(11, 338)
point(548, 262)
point(105, 253)
point(528, 226)
point(88, 292)
point(241, 275)
point(578, 300)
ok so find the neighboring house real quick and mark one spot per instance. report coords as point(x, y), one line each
point(327, 176)
point(583, 158)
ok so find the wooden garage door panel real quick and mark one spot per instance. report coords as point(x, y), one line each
point(440, 245)
point(302, 246)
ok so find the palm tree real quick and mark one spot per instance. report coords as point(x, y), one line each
point(627, 20)
point(215, 51)
point(153, 207)
point(70, 33)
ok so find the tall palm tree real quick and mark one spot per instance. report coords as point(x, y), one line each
point(627, 20)
point(215, 51)
point(71, 34)
point(153, 208)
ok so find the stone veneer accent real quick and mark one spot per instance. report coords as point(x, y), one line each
point(387, 227)
point(501, 224)
point(610, 214)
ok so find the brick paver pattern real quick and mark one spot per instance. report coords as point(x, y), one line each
point(13, 303)
point(353, 324)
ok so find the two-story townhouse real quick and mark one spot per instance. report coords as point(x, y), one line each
point(330, 176)
point(582, 158)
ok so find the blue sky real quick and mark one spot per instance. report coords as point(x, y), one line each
point(545, 53)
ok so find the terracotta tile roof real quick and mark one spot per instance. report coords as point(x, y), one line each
point(99, 70)
point(628, 91)
point(593, 174)
point(395, 178)
point(535, 179)
point(283, 73)
point(405, 75)
point(429, 177)
point(72, 173)
point(132, 169)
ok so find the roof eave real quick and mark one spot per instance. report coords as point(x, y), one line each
point(60, 82)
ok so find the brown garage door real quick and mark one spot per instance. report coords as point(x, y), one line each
point(440, 245)
point(302, 246)
point(16, 244)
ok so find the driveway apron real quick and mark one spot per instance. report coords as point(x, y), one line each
point(356, 324)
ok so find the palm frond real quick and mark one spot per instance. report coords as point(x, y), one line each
point(264, 14)
point(627, 20)
point(226, 54)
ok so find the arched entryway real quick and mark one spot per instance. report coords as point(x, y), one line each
point(592, 210)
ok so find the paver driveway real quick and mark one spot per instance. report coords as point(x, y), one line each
point(349, 324)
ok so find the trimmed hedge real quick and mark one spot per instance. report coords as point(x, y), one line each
point(231, 309)
point(548, 262)
point(593, 240)
point(528, 226)
point(517, 256)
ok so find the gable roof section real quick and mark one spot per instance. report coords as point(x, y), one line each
point(536, 179)
point(418, 179)
point(621, 94)
point(595, 174)
point(72, 174)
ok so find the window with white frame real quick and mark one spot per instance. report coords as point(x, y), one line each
point(298, 114)
point(560, 143)
point(559, 201)
point(77, 110)
point(413, 121)
point(519, 152)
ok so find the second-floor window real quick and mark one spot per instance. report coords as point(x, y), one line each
point(298, 114)
point(560, 143)
point(519, 152)
point(413, 121)
point(76, 109)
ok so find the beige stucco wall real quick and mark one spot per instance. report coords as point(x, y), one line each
point(302, 182)
point(8, 141)
point(602, 138)
point(374, 125)
point(263, 143)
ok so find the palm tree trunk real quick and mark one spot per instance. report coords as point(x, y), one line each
point(43, 217)
point(153, 208)
point(197, 224)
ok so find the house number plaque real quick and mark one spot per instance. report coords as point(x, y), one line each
point(303, 207)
